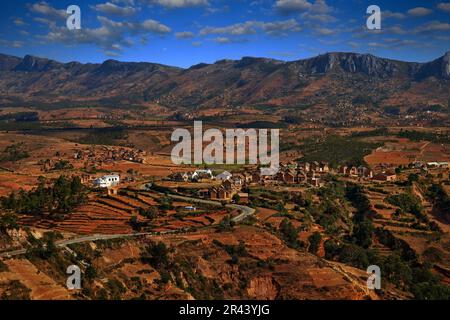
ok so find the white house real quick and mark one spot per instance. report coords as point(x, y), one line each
point(224, 176)
point(107, 181)
point(202, 174)
point(437, 164)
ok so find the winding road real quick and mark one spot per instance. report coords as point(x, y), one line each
point(245, 212)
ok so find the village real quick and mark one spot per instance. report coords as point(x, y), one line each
point(228, 186)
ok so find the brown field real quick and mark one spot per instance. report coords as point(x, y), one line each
point(403, 152)
point(111, 215)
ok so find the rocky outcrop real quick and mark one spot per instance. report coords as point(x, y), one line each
point(263, 288)
point(439, 68)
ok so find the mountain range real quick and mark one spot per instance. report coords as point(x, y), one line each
point(321, 80)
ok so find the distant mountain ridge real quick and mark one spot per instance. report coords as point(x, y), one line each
point(225, 83)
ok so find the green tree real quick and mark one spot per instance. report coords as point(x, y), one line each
point(413, 177)
point(289, 233)
point(8, 221)
point(362, 233)
point(397, 271)
point(314, 242)
point(156, 254)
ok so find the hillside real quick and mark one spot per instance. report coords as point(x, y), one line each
point(250, 81)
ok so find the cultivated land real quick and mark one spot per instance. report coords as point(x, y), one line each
point(268, 255)
point(363, 181)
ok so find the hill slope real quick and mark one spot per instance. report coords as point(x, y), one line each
point(249, 81)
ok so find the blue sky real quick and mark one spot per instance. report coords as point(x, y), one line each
point(187, 32)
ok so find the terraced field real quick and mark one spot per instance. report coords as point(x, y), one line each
point(112, 214)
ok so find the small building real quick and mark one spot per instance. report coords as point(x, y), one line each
point(203, 193)
point(353, 171)
point(224, 176)
point(243, 197)
point(385, 176)
point(113, 191)
point(315, 166)
point(221, 194)
point(256, 177)
point(437, 164)
point(343, 170)
point(324, 166)
point(107, 181)
point(365, 172)
point(181, 177)
point(315, 182)
point(289, 177)
point(202, 175)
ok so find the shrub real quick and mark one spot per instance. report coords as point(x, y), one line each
point(314, 242)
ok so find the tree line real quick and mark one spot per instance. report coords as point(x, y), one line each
point(61, 196)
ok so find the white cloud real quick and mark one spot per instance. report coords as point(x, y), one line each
point(252, 27)
point(45, 9)
point(444, 6)
point(175, 4)
point(237, 29)
point(11, 44)
point(113, 9)
point(325, 31)
point(19, 22)
point(292, 6)
point(394, 15)
point(184, 35)
point(419, 12)
point(112, 36)
point(321, 7)
point(433, 26)
point(222, 40)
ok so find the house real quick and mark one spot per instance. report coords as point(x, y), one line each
point(224, 176)
point(232, 184)
point(324, 167)
point(417, 164)
point(364, 172)
point(202, 175)
point(113, 191)
point(221, 193)
point(203, 193)
point(238, 178)
point(315, 166)
point(304, 166)
point(302, 177)
point(343, 170)
point(107, 181)
point(289, 177)
point(248, 177)
point(385, 176)
point(243, 197)
point(437, 164)
point(315, 182)
point(181, 177)
point(353, 171)
point(256, 177)
point(307, 166)
point(87, 178)
point(443, 164)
